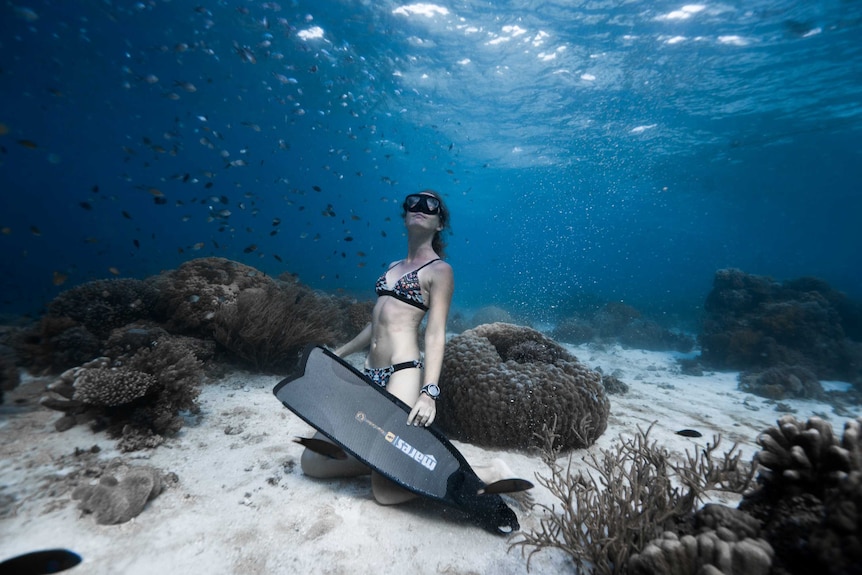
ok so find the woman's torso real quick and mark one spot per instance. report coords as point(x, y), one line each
point(395, 322)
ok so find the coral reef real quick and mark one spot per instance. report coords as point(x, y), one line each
point(753, 322)
point(708, 553)
point(491, 314)
point(619, 322)
point(103, 305)
point(781, 382)
point(138, 398)
point(810, 496)
point(114, 501)
point(9, 377)
point(631, 496)
point(502, 382)
point(191, 295)
point(54, 344)
point(268, 328)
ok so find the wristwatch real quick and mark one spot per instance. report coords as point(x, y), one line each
point(431, 390)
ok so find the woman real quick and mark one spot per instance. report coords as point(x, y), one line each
point(420, 284)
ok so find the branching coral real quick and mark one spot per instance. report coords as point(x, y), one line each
point(631, 496)
point(268, 328)
point(138, 399)
point(111, 386)
point(501, 383)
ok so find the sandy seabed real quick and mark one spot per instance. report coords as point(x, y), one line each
point(240, 503)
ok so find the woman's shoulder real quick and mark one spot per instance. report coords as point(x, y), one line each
point(440, 267)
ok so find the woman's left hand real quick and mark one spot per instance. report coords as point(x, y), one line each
point(424, 411)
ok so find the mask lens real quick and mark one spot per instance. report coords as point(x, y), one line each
point(432, 203)
point(422, 203)
point(411, 201)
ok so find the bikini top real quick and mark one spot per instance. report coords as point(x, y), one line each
point(406, 289)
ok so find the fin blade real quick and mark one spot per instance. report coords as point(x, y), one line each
point(506, 486)
point(322, 447)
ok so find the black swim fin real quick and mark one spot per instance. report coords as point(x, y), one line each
point(40, 562)
point(506, 486)
point(322, 447)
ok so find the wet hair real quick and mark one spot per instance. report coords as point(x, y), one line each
point(438, 243)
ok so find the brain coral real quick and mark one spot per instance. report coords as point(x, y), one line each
point(503, 383)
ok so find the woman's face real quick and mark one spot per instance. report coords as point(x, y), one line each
point(423, 209)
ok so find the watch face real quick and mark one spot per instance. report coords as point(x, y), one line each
point(432, 390)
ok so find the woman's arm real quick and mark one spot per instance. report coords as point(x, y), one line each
point(441, 287)
point(357, 344)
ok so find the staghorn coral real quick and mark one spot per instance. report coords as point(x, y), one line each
point(268, 328)
point(502, 382)
point(138, 399)
point(115, 501)
point(103, 305)
point(630, 497)
point(191, 295)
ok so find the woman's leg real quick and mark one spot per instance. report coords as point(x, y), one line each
point(323, 467)
point(404, 385)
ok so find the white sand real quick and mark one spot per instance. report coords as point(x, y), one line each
point(242, 504)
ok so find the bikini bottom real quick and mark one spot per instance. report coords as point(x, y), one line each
point(381, 375)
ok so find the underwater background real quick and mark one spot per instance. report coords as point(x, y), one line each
point(588, 151)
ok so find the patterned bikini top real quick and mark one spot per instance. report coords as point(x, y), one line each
point(406, 289)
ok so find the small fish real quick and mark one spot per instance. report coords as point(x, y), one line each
point(6, 231)
point(316, 188)
point(85, 205)
point(137, 243)
point(276, 221)
point(59, 278)
point(277, 257)
point(160, 201)
point(689, 433)
point(35, 231)
point(114, 270)
point(29, 144)
point(198, 246)
point(249, 249)
point(245, 53)
point(127, 215)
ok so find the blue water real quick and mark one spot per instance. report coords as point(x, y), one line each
point(589, 151)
